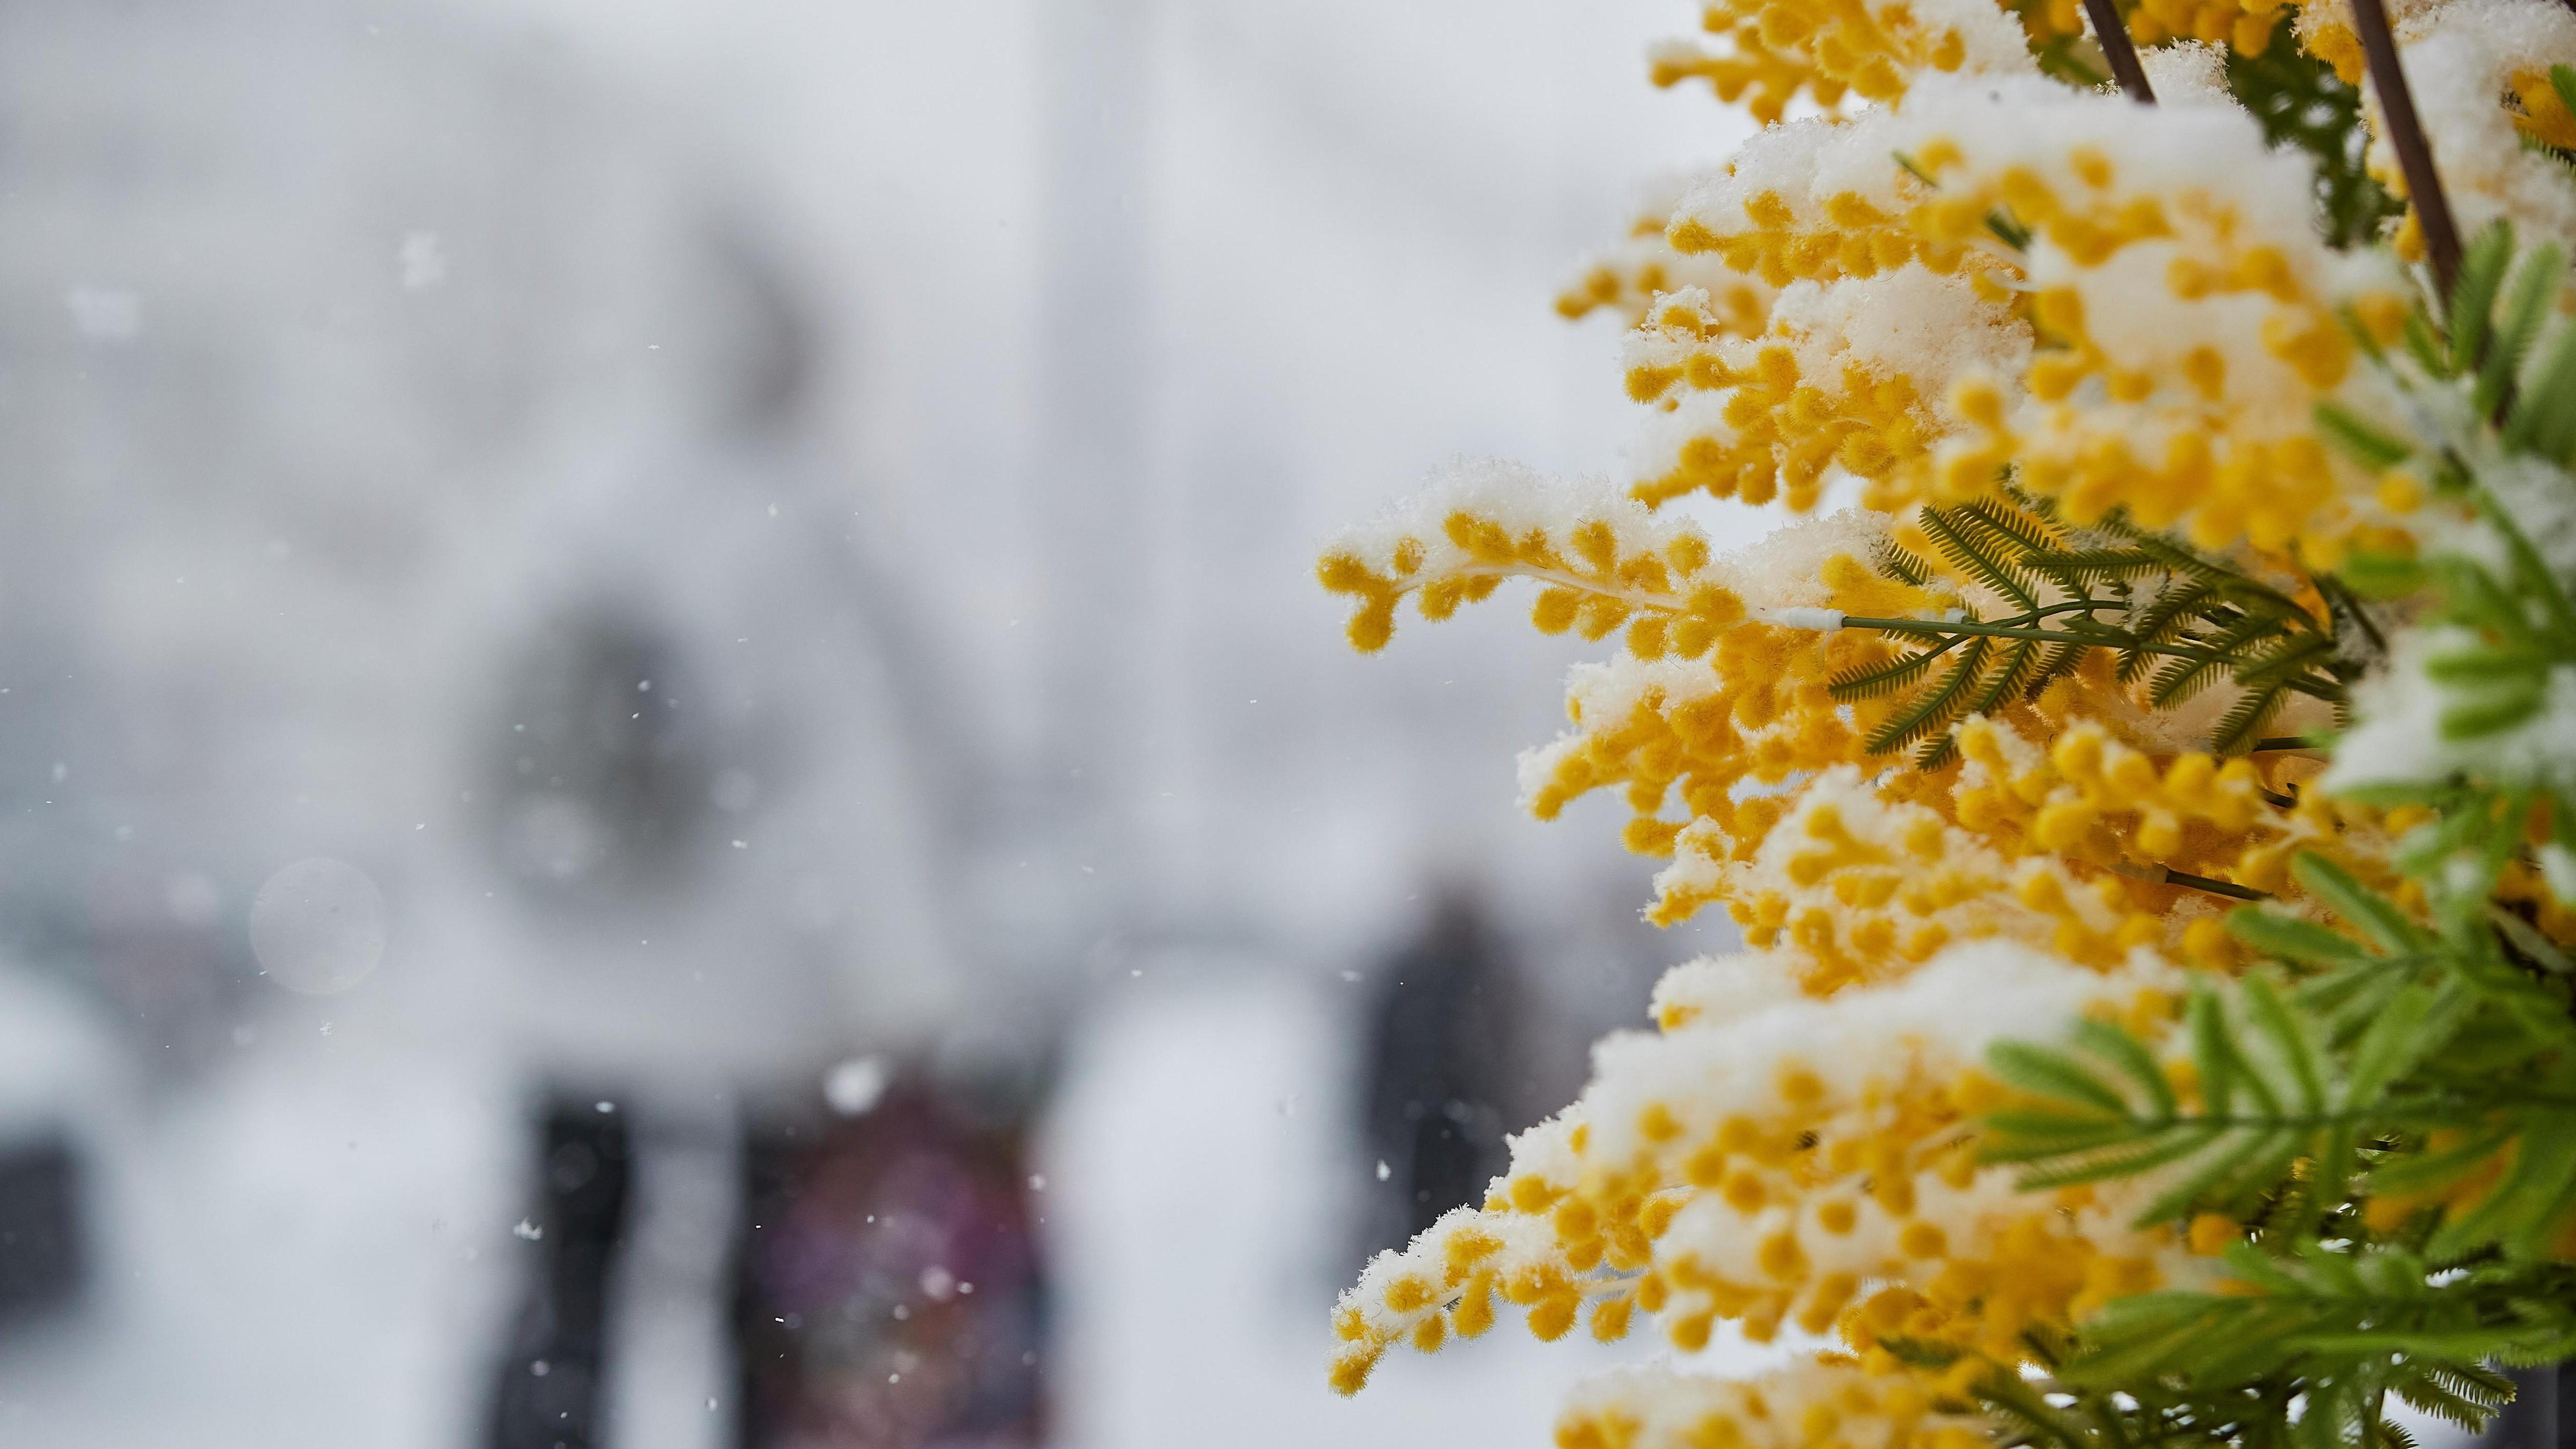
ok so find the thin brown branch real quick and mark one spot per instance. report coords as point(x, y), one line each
point(2406, 136)
point(2166, 875)
point(2113, 34)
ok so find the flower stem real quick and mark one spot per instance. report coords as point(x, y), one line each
point(2112, 33)
point(2406, 137)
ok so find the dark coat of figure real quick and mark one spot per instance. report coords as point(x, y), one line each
point(1439, 1055)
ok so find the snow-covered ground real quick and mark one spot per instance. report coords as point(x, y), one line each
point(317, 1250)
point(307, 1250)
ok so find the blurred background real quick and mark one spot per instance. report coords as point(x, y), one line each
point(669, 770)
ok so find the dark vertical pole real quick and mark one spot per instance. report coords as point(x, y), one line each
point(2406, 136)
point(2113, 34)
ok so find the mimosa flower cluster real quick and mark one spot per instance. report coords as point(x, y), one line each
point(1764, 1159)
point(2090, 431)
point(2152, 328)
point(1661, 1408)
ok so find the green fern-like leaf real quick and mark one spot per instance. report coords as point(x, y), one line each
point(1899, 563)
point(2163, 621)
point(2180, 679)
point(2096, 565)
point(2473, 294)
point(2013, 528)
point(2246, 719)
point(2543, 419)
point(1879, 680)
point(2364, 443)
point(1935, 706)
point(1975, 556)
point(2059, 661)
point(2526, 307)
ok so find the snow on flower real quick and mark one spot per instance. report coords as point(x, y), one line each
point(1768, 1166)
point(1997, 752)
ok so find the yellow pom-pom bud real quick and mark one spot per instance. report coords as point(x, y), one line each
point(1975, 1093)
point(2061, 310)
point(1576, 1221)
point(1373, 626)
point(1657, 1215)
point(1646, 835)
point(2205, 368)
point(2159, 834)
point(2063, 826)
point(2211, 1233)
point(1744, 1191)
point(2053, 375)
point(1351, 1370)
point(1657, 1124)
point(1469, 1246)
point(1344, 573)
point(1530, 1193)
point(1646, 634)
point(1978, 400)
point(1954, 218)
point(1690, 236)
point(2027, 194)
point(1690, 1333)
point(2383, 316)
point(1553, 1316)
point(1475, 1311)
point(1780, 1255)
point(1408, 1293)
point(2078, 753)
point(2041, 892)
point(1706, 1167)
point(1610, 1319)
point(2388, 1213)
point(1800, 1086)
point(2208, 942)
point(2267, 268)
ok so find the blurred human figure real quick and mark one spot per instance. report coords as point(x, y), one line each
point(888, 1290)
point(548, 1393)
point(2542, 1414)
point(57, 1071)
point(42, 1257)
point(1438, 1067)
point(420, 472)
point(705, 818)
